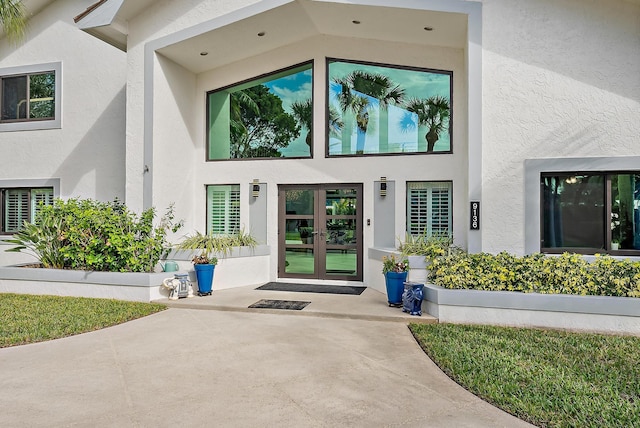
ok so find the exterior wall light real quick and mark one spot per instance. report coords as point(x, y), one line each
point(383, 186)
point(255, 190)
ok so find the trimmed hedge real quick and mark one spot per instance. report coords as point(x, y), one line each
point(537, 273)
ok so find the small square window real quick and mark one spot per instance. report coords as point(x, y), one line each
point(28, 97)
point(22, 204)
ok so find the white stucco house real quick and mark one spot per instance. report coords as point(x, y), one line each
point(330, 128)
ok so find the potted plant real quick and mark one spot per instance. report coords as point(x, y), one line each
point(615, 245)
point(204, 267)
point(395, 274)
point(207, 245)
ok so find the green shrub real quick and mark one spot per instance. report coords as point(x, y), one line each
point(564, 274)
point(99, 236)
point(217, 244)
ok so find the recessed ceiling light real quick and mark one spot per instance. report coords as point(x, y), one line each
point(428, 28)
point(355, 21)
point(261, 33)
point(204, 53)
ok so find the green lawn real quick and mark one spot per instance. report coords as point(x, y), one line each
point(28, 319)
point(548, 378)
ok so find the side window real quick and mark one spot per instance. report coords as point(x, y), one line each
point(590, 212)
point(223, 209)
point(30, 97)
point(429, 208)
point(22, 204)
point(267, 117)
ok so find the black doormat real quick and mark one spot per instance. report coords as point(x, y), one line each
point(312, 288)
point(293, 305)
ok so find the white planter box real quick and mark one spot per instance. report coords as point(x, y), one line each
point(245, 266)
point(581, 313)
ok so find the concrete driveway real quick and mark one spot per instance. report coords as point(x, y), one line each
point(188, 367)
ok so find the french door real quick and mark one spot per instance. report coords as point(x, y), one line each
point(320, 231)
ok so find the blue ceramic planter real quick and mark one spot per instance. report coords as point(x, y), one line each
point(204, 276)
point(395, 287)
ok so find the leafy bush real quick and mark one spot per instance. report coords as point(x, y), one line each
point(429, 246)
point(98, 236)
point(565, 274)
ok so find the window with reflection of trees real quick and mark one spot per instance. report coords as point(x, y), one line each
point(378, 109)
point(267, 117)
point(591, 212)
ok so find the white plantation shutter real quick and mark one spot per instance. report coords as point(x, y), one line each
point(429, 208)
point(223, 209)
point(39, 198)
point(16, 209)
point(20, 205)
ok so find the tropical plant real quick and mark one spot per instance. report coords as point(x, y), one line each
point(209, 244)
point(85, 234)
point(434, 113)
point(303, 112)
point(358, 90)
point(13, 18)
point(260, 126)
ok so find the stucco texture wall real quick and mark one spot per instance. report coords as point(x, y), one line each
point(87, 154)
point(561, 78)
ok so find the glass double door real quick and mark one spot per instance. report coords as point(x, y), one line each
point(320, 231)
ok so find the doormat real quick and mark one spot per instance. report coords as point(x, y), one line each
point(293, 305)
point(312, 288)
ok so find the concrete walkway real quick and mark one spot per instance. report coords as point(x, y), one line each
point(230, 368)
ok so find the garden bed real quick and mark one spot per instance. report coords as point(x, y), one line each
point(580, 313)
point(242, 267)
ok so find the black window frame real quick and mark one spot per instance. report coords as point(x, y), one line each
point(28, 103)
point(3, 195)
point(608, 191)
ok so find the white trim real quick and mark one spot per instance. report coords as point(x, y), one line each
point(56, 122)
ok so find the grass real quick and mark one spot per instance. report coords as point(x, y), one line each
point(28, 319)
point(547, 378)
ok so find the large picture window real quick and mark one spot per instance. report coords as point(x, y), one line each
point(377, 109)
point(591, 212)
point(22, 204)
point(429, 208)
point(267, 117)
point(223, 209)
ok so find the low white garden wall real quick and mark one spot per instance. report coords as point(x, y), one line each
point(244, 266)
point(581, 313)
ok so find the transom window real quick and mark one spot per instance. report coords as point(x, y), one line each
point(591, 212)
point(267, 117)
point(22, 204)
point(429, 208)
point(223, 209)
point(28, 97)
point(381, 109)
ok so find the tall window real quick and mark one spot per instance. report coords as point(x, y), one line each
point(267, 117)
point(223, 209)
point(591, 212)
point(380, 109)
point(28, 97)
point(20, 205)
point(429, 208)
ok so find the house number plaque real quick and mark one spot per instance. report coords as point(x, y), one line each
point(475, 215)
